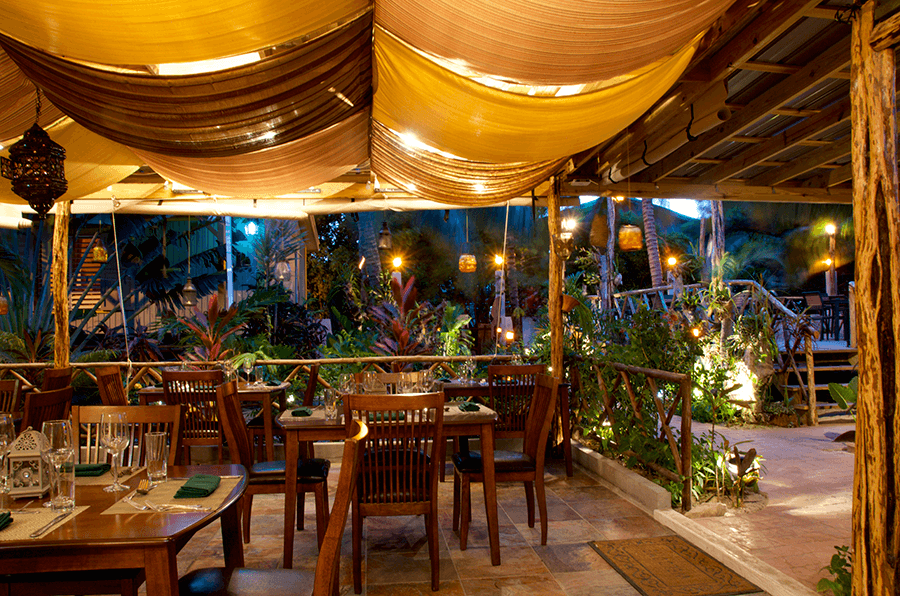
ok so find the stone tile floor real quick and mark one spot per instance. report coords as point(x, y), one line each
point(396, 562)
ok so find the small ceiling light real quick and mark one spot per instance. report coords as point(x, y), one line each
point(479, 187)
point(618, 198)
point(251, 228)
point(385, 242)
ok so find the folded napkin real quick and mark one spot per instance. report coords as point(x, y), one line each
point(302, 411)
point(5, 520)
point(199, 485)
point(273, 383)
point(91, 469)
point(468, 406)
point(381, 416)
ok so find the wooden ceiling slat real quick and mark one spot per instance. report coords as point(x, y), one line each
point(802, 164)
point(729, 191)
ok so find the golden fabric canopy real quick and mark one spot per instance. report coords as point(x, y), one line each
point(92, 162)
point(163, 31)
point(455, 181)
point(287, 168)
point(283, 97)
point(454, 114)
point(549, 42)
point(17, 102)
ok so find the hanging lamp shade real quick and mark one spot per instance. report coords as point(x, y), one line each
point(99, 254)
point(4, 305)
point(384, 238)
point(467, 263)
point(630, 238)
point(36, 169)
point(189, 293)
point(282, 270)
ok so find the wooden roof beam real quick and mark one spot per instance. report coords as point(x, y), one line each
point(788, 69)
point(728, 191)
point(834, 114)
point(802, 164)
point(830, 61)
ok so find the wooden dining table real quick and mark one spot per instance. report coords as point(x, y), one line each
point(456, 423)
point(94, 545)
point(263, 394)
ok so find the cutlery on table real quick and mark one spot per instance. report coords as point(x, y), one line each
point(43, 530)
point(143, 487)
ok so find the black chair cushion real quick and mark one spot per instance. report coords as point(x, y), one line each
point(504, 461)
point(308, 470)
point(215, 581)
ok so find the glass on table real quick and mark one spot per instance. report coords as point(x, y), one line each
point(114, 436)
point(58, 450)
point(426, 380)
point(406, 383)
point(346, 384)
point(7, 436)
point(157, 456)
point(331, 400)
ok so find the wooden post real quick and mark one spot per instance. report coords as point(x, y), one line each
point(812, 414)
point(59, 281)
point(555, 286)
point(876, 219)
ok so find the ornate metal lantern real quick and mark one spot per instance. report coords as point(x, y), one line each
point(4, 305)
point(99, 254)
point(36, 169)
point(282, 270)
point(630, 238)
point(384, 238)
point(29, 474)
point(467, 263)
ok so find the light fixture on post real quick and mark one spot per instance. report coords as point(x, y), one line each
point(384, 238)
point(36, 167)
point(831, 280)
point(564, 241)
point(467, 261)
point(189, 291)
point(282, 270)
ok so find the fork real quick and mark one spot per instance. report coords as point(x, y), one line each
point(137, 506)
point(143, 487)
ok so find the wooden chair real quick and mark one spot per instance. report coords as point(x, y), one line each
point(511, 390)
point(195, 390)
point(258, 433)
point(56, 378)
point(11, 397)
point(399, 469)
point(526, 466)
point(112, 390)
point(141, 420)
point(818, 312)
point(265, 582)
point(269, 477)
point(47, 405)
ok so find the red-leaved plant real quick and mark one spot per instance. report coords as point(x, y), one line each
point(211, 329)
point(404, 323)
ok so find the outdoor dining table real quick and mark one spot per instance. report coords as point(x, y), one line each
point(263, 394)
point(103, 534)
point(482, 392)
point(456, 423)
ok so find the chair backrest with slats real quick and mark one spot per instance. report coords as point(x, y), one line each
point(311, 384)
point(511, 389)
point(540, 417)
point(112, 391)
point(47, 405)
point(329, 561)
point(196, 391)
point(10, 397)
point(399, 470)
point(140, 420)
point(57, 378)
point(233, 424)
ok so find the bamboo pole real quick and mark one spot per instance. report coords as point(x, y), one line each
point(60, 282)
point(555, 286)
point(876, 219)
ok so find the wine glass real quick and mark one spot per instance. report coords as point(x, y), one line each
point(247, 367)
point(406, 383)
point(114, 436)
point(426, 380)
point(7, 436)
point(345, 383)
point(57, 450)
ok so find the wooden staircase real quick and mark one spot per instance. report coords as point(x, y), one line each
point(830, 365)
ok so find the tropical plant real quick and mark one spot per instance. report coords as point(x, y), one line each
point(841, 569)
point(210, 329)
point(456, 339)
point(405, 324)
point(845, 396)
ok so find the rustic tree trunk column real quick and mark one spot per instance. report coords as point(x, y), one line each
point(876, 218)
point(60, 282)
point(555, 286)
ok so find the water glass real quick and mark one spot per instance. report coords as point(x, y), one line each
point(114, 436)
point(7, 436)
point(229, 372)
point(331, 404)
point(259, 375)
point(407, 383)
point(157, 456)
point(346, 383)
point(58, 450)
point(426, 380)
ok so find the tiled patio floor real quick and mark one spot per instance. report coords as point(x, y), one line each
point(396, 554)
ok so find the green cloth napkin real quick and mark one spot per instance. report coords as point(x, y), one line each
point(199, 485)
point(467, 406)
point(394, 416)
point(5, 519)
point(273, 383)
point(91, 469)
point(302, 411)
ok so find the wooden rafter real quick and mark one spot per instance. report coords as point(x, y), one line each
point(802, 164)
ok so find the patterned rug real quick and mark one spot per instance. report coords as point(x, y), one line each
point(670, 566)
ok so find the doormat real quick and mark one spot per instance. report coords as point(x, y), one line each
point(670, 566)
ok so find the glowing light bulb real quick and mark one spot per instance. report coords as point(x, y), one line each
point(830, 229)
point(498, 259)
point(397, 262)
point(672, 261)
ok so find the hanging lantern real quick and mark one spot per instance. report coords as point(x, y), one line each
point(99, 254)
point(467, 263)
point(4, 305)
point(282, 270)
point(189, 293)
point(630, 238)
point(36, 169)
point(384, 238)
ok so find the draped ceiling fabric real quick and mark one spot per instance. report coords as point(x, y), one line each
point(447, 180)
point(280, 98)
point(92, 162)
point(17, 102)
point(416, 95)
point(163, 31)
point(283, 169)
point(549, 42)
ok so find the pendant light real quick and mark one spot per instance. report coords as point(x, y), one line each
point(467, 261)
point(189, 292)
point(282, 270)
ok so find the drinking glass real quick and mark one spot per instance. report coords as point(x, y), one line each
point(58, 450)
point(426, 380)
point(7, 436)
point(247, 367)
point(228, 370)
point(468, 371)
point(114, 436)
point(345, 383)
point(157, 456)
point(407, 383)
point(259, 373)
point(331, 404)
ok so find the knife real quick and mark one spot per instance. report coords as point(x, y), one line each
point(53, 522)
